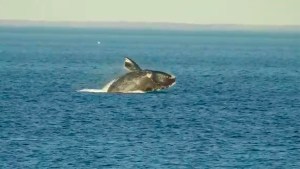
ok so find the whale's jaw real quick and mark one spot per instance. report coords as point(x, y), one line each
point(169, 82)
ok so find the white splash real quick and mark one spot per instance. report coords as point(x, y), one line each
point(92, 91)
point(105, 88)
point(105, 91)
point(135, 91)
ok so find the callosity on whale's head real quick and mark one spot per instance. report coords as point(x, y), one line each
point(163, 79)
point(138, 79)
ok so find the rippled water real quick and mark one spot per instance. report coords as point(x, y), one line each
point(236, 103)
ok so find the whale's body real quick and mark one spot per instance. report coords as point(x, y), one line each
point(138, 80)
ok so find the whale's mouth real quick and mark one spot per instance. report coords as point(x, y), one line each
point(170, 81)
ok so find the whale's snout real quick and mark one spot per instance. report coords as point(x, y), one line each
point(164, 80)
point(171, 80)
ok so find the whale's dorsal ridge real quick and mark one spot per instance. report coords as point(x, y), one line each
point(131, 66)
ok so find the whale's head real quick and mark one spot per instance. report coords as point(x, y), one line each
point(162, 79)
point(158, 79)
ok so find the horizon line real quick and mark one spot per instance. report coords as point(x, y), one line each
point(140, 24)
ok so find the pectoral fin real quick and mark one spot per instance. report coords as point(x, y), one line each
point(131, 66)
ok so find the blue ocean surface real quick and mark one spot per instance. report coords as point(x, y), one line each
point(236, 103)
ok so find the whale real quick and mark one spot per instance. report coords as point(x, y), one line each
point(138, 80)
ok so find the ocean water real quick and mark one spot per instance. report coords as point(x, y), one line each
point(236, 103)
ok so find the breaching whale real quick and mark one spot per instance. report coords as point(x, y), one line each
point(139, 80)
